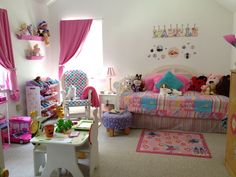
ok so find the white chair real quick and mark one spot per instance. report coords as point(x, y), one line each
point(78, 80)
point(39, 157)
point(90, 148)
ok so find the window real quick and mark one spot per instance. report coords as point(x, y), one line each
point(90, 59)
point(3, 77)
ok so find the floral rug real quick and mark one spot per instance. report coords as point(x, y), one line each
point(173, 143)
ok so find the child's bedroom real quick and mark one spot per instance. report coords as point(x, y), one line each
point(117, 88)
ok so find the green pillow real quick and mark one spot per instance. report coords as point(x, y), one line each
point(171, 80)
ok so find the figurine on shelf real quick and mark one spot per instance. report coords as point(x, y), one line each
point(36, 50)
point(23, 30)
point(44, 31)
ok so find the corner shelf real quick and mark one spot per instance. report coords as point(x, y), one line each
point(29, 37)
point(34, 57)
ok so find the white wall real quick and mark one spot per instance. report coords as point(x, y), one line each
point(233, 56)
point(128, 25)
point(29, 12)
point(127, 33)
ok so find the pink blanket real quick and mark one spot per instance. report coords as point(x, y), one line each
point(94, 97)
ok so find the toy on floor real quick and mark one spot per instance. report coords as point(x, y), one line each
point(4, 172)
point(19, 129)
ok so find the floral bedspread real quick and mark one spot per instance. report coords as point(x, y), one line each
point(190, 105)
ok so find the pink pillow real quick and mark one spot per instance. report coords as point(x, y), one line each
point(186, 82)
point(149, 82)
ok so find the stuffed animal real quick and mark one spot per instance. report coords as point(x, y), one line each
point(164, 90)
point(125, 85)
point(210, 87)
point(44, 31)
point(71, 94)
point(138, 85)
point(197, 82)
point(222, 88)
point(60, 111)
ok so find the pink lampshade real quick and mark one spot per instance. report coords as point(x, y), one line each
point(110, 72)
point(230, 38)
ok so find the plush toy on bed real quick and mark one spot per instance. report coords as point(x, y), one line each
point(138, 85)
point(197, 83)
point(164, 90)
point(210, 87)
point(125, 84)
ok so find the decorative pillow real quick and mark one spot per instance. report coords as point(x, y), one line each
point(186, 82)
point(149, 81)
point(156, 80)
point(171, 80)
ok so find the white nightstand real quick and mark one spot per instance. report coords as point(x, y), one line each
point(110, 98)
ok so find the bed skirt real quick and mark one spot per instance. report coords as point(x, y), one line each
point(173, 123)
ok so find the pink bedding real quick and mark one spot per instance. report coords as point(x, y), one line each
point(190, 105)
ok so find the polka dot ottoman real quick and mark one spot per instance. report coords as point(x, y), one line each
point(118, 121)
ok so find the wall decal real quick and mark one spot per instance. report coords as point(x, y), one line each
point(184, 51)
point(182, 31)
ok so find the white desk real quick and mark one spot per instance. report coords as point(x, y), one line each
point(61, 152)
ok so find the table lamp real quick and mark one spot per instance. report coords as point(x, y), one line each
point(230, 38)
point(110, 73)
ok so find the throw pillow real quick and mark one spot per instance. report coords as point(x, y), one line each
point(171, 80)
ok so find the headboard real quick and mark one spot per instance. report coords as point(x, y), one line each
point(176, 69)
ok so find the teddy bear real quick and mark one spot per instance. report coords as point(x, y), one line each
point(137, 85)
point(210, 87)
point(44, 32)
point(125, 85)
point(197, 82)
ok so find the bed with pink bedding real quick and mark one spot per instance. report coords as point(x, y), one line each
point(192, 111)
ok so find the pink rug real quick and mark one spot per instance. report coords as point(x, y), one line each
point(173, 143)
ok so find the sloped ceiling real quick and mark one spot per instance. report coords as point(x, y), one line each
point(47, 2)
point(229, 4)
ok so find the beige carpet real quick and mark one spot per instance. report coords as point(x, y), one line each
point(118, 158)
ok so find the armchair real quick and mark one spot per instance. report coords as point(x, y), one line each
point(77, 81)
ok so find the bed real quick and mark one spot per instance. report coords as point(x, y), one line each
point(191, 112)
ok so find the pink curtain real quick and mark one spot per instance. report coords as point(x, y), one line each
point(72, 36)
point(6, 55)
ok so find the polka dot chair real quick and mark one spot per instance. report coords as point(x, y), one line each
point(79, 80)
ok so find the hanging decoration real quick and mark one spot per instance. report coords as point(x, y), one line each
point(177, 31)
point(186, 51)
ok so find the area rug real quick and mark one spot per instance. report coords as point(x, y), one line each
point(173, 143)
